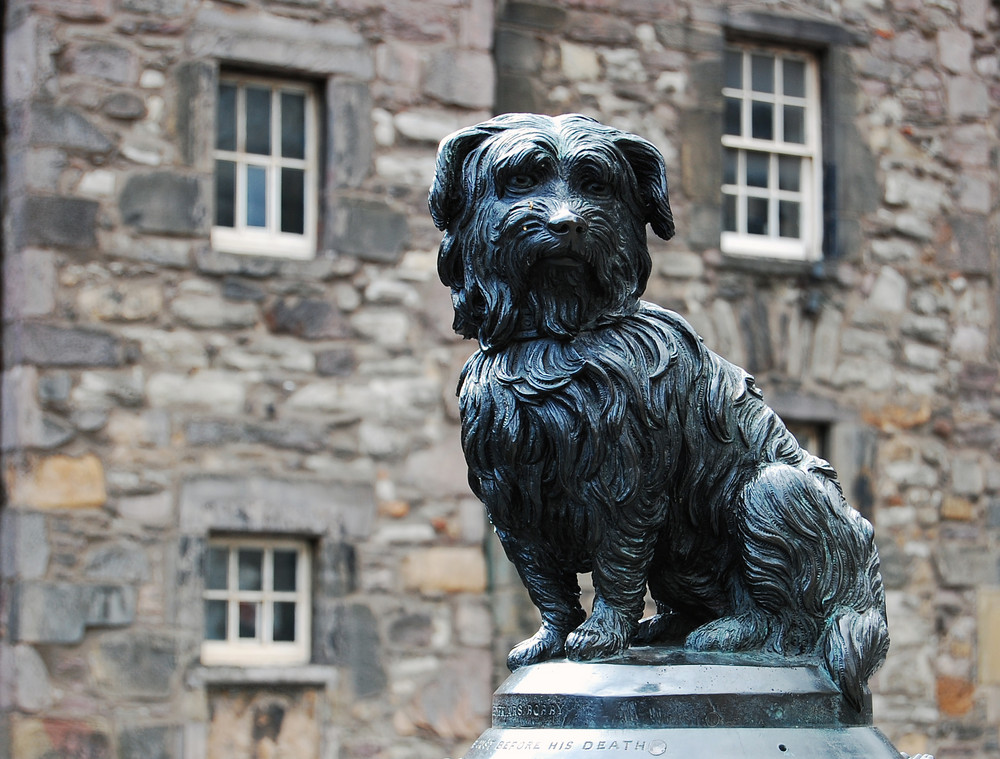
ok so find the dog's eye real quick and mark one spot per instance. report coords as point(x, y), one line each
point(521, 182)
point(597, 187)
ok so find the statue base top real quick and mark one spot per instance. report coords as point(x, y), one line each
point(675, 703)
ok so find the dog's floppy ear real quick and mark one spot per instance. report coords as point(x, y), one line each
point(649, 169)
point(448, 196)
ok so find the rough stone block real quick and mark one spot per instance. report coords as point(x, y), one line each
point(534, 15)
point(441, 469)
point(102, 60)
point(220, 392)
point(280, 42)
point(29, 283)
point(124, 561)
point(109, 605)
point(57, 222)
point(165, 203)
point(370, 230)
point(64, 127)
point(309, 318)
point(61, 482)
point(271, 505)
point(988, 628)
point(196, 92)
point(962, 565)
point(445, 569)
point(518, 52)
point(970, 247)
point(967, 98)
point(461, 77)
point(353, 643)
point(45, 345)
point(32, 691)
point(336, 362)
point(146, 743)
point(212, 312)
point(47, 612)
point(455, 704)
point(124, 106)
point(60, 738)
point(136, 663)
point(349, 132)
point(24, 546)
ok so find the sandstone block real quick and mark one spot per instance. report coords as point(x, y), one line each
point(445, 569)
point(988, 629)
point(34, 618)
point(354, 643)
point(370, 230)
point(61, 482)
point(954, 695)
point(135, 664)
point(461, 77)
point(29, 282)
point(32, 690)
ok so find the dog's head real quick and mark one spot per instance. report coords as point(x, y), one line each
point(545, 224)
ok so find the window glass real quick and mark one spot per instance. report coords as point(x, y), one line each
point(251, 569)
point(762, 73)
point(225, 118)
point(293, 125)
point(258, 120)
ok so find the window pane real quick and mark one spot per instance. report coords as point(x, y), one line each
point(795, 124)
point(788, 218)
point(730, 158)
point(225, 193)
point(284, 622)
point(734, 69)
point(256, 196)
point(293, 190)
point(251, 566)
point(285, 563)
point(729, 213)
point(789, 173)
point(757, 168)
point(215, 620)
point(248, 619)
point(794, 77)
point(732, 116)
point(258, 102)
point(762, 73)
point(762, 118)
point(216, 568)
point(293, 125)
point(757, 216)
point(225, 117)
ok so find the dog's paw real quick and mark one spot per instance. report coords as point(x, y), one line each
point(737, 633)
point(661, 628)
point(605, 634)
point(543, 645)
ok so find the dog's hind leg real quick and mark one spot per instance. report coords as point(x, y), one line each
point(553, 590)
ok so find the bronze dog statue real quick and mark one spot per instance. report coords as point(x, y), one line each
point(604, 437)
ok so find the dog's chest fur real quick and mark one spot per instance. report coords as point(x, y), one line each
point(624, 417)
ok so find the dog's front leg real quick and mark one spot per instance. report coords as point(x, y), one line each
point(555, 593)
point(620, 572)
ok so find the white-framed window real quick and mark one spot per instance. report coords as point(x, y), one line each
point(771, 154)
point(257, 602)
point(266, 167)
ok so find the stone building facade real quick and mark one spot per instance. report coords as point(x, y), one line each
point(184, 420)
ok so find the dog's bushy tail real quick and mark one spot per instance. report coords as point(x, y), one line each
point(854, 645)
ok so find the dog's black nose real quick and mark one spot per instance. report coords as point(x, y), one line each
point(567, 224)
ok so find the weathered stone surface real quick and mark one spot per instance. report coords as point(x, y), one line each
point(136, 664)
point(212, 312)
point(146, 743)
point(32, 620)
point(337, 362)
point(260, 504)
point(124, 560)
point(47, 345)
point(29, 283)
point(350, 133)
point(64, 127)
point(461, 77)
point(24, 547)
point(433, 469)
point(353, 643)
point(220, 392)
point(59, 222)
point(301, 437)
point(308, 318)
point(280, 42)
point(164, 203)
point(101, 60)
point(454, 703)
point(370, 230)
point(32, 690)
point(448, 569)
point(61, 482)
point(109, 605)
point(125, 106)
point(132, 301)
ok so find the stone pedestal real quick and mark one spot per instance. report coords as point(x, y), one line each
point(676, 704)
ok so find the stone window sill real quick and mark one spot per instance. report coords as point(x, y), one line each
point(321, 675)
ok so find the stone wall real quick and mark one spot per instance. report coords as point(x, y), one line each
point(150, 382)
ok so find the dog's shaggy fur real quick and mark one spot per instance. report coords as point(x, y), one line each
point(604, 437)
